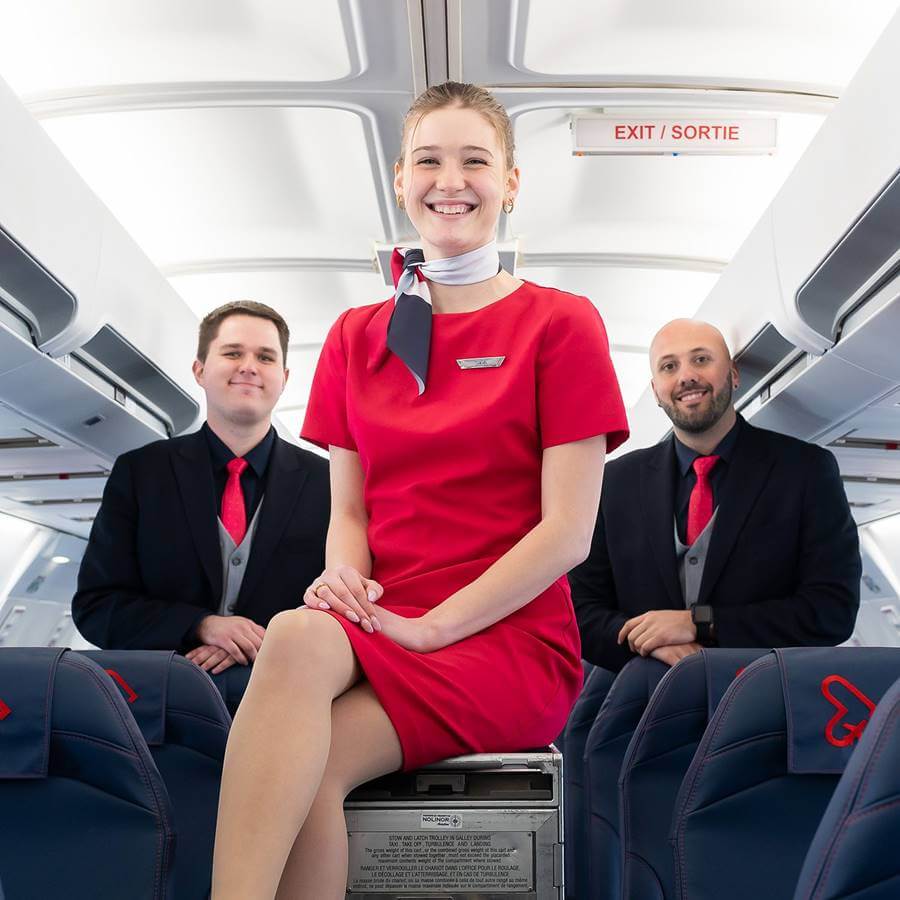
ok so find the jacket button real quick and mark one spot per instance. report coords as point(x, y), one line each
point(692, 560)
point(236, 560)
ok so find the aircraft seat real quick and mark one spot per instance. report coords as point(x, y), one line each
point(656, 760)
point(185, 723)
point(231, 684)
point(596, 686)
point(853, 851)
point(767, 766)
point(604, 750)
point(84, 812)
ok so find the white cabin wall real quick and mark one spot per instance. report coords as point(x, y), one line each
point(878, 623)
point(38, 576)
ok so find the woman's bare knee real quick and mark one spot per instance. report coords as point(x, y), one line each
point(300, 643)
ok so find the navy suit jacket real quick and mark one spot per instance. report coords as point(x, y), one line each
point(153, 568)
point(783, 566)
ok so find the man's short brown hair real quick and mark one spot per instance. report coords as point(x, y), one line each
point(209, 327)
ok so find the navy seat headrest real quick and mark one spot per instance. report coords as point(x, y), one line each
point(723, 665)
point(830, 694)
point(27, 675)
point(143, 678)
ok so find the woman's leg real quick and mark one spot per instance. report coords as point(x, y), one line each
point(364, 745)
point(277, 750)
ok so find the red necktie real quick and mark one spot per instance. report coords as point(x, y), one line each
point(700, 507)
point(234, 515)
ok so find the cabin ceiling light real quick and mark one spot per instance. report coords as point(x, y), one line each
point(60, 560)
point(672, 132)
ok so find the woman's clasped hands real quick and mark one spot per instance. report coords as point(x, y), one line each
point(349, 594)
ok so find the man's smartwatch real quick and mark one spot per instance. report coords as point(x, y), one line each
point(702, 617)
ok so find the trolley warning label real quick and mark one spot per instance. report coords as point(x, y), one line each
point(441, 860)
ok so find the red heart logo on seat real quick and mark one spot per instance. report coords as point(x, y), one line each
point(854, 732)
point(4, 710)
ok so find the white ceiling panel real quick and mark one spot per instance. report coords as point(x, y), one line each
point(693, 206)
point(634, 303)
point(806, 41)
point(52, 45)
point(309, 301)
point(292, 406)
point(207, 184)
point(633, 373)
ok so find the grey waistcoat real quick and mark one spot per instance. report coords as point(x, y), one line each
point(234, 562)
point(692, 560)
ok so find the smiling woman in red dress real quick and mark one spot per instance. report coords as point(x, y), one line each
point(463, 489)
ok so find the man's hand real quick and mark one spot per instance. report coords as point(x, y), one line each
point(675, 652)
point(211, 658)
point(658, 628)
point(349, 594)
point(238, 636)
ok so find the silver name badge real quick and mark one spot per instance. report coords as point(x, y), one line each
point(481, 362)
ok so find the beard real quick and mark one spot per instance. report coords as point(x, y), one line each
point(699, 420)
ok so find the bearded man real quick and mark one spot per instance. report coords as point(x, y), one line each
point(722, 534)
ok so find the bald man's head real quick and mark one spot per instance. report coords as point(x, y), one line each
point(692, 374)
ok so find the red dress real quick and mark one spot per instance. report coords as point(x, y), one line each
point(453, 481)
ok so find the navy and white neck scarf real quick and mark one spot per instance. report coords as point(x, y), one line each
point(409, 331)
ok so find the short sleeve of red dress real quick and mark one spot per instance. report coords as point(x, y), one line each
point(326, 414)
point(578, 392)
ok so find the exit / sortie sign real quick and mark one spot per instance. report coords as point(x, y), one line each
point(601, 134)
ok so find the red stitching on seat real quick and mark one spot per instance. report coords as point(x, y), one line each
point(130, 694)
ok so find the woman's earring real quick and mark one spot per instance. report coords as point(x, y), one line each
point(400, 203)
point(508, 205)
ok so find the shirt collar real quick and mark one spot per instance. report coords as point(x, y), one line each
point(257, 458)
point(724, 450)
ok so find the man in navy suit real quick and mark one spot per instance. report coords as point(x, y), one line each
point(201, 539)
point(722, 534)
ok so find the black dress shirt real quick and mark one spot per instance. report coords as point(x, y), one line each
point(686, 477)
point(253, 478)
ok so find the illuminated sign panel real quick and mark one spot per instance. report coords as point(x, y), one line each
point(597, 135)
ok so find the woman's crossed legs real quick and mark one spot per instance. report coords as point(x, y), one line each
point(306, 733)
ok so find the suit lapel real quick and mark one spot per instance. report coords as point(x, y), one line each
point(193, 473)
point(750, 468)
point(657, 507)
point(284, 482)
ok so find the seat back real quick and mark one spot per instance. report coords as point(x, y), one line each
point(767, 766)
point(84, 812)
point(231, 684)
point(596, 686)
point(185, 723)
point(849, 854)
point(605, 748)
point(656, 760)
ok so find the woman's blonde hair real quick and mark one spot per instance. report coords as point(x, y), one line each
point(465, 96)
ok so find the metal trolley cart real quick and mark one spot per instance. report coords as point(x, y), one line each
point(488, 826)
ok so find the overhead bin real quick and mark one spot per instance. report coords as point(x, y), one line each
point(81, 290)
point(830, 241)
point(865, 258)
